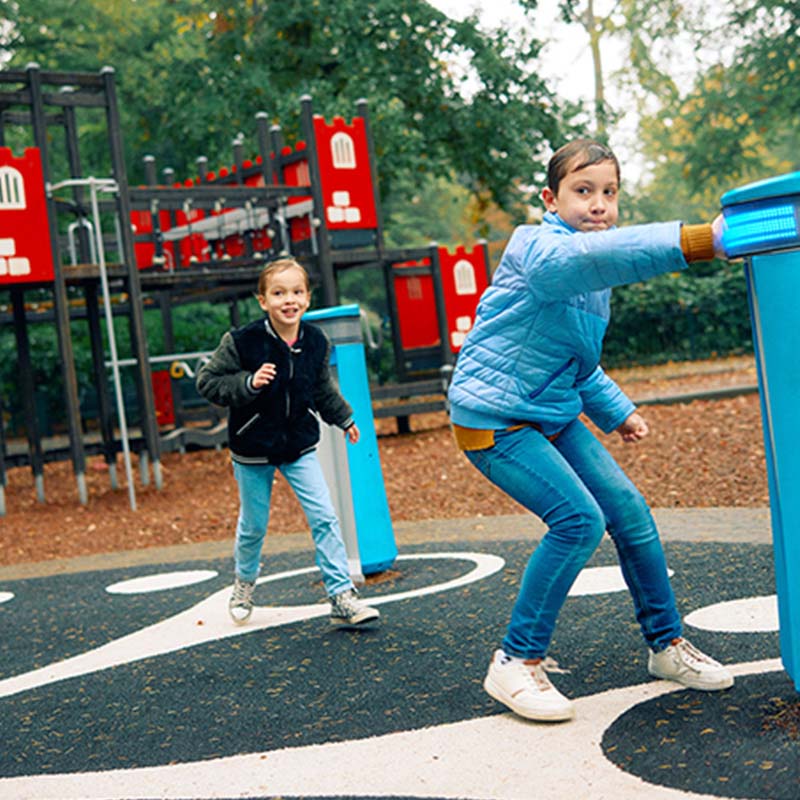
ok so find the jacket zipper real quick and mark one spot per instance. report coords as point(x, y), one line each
point(560, 371)
point(289, 385)
point(249, 424)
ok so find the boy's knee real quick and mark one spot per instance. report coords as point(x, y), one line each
point(584, 528)
point(634, 518)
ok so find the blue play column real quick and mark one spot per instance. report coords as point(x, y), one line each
point(353, 472)
point(763, 226)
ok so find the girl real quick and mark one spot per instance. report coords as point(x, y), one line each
point(527, 370)
point(273, 376)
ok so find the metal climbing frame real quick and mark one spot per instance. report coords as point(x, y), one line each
point(40, 101)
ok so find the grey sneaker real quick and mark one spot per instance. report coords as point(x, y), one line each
point(240, 606)
point(348, 611)
point(524, 686)
point(685, 664)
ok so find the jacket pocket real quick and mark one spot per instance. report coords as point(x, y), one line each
point(551, 379)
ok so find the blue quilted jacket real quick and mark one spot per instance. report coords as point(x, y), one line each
point(533, 353)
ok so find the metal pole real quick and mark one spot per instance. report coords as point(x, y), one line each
point(112, 342)
point(60, 297)
point(319, 228)
point(138, 334)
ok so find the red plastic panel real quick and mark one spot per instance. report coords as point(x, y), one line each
point(25, 252)
point(164, 402)
point(416, 307)
point(463, 282)
point(348, 195)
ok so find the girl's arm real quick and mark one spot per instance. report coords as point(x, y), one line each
point(222, 381)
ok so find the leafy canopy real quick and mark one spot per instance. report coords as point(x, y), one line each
point(445, 98)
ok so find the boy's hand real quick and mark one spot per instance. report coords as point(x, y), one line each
point(633, 429)
point(352, 434)
point(263, 375)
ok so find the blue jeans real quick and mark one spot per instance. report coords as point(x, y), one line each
point(579, 491)
point(308, 483)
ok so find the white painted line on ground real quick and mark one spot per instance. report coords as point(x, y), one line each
point(208, 621)
point(161, 581)
point(500, 757)
point(600, 580)
point(746, 615)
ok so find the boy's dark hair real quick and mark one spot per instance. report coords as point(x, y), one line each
point(577, 155)
point(278, 266)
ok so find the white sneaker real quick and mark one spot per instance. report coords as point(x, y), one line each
point(349, 612)
point(524, 687)
point(240, 606)
point(685, 664)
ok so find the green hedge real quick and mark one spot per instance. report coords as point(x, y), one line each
point(680, 317)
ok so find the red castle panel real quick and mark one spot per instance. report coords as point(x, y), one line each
point(25, 252)
point(463, 282)
point(193, 246)
point(162, 394)
point(142, 223)
point(348, 196)
point(297, 174)
point(416, 307)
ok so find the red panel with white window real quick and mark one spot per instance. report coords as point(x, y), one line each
point(25, 252)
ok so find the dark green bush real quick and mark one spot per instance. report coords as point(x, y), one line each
point(680, 317)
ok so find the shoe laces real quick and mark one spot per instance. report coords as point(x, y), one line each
point(691, 656)
point(537, 674)
point(243, 592)
point(346, 602)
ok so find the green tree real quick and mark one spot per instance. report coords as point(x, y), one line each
point(445, 97)
point(736, 122)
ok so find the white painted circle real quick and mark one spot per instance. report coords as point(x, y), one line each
point(600, 580)
point(161, 581)
point(748, 615)
point(6, 596)
point(485, 564)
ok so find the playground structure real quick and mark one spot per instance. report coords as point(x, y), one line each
point(106, 250)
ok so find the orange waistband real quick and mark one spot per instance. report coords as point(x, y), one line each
point(483, 439)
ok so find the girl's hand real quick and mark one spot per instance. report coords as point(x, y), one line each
point(263, 375)
point(633, 429)
point(352, 434)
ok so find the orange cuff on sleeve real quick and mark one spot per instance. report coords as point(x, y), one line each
point(697, 242)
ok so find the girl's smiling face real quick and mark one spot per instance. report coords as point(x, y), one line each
point(587, 198)
point(286, 298)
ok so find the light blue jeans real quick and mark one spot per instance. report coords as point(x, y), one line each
point(579, 491)
point(308, 483)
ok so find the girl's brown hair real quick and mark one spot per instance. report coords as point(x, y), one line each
point(577, 155)
point(279, 265)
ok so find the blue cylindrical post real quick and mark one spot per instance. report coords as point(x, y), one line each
point(763, 226)
point(354, 472)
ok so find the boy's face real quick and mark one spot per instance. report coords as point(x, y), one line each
point(587, 198)
point(287, 297)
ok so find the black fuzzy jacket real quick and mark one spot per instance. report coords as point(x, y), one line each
point(278, 423)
